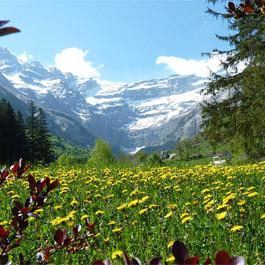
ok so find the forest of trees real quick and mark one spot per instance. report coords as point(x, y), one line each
point(29, 139)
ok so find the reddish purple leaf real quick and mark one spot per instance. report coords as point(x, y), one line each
point(40, 185)
point(155, 261)
point(76, 229)
point(180, 252)
point(126, 259)
point(8, 30)
point(53, 185)
point(32, 182)
point(3, 22)
point(67, 241)
point(25, 210)
point(192, 261)
point(231, 6)
point(4, 174)
point(48, 254)
point(60, 236)
point(90, 227)
point(222, 258)
point(14, 168)
point(3, 233)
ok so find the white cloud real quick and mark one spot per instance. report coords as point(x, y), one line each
point(24, 57)
point(183, 66)
point(73, 60)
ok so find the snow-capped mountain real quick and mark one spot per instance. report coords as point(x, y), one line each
point(131, 116)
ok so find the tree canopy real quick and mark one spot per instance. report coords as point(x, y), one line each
point(234, 112)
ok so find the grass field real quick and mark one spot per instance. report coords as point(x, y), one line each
point(143, 210)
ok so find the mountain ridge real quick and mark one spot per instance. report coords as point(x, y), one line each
point(147, 113)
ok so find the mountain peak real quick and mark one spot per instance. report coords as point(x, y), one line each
point(9, 62)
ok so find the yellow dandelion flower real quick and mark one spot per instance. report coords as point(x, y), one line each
point(184, 214)
point(170, 244)
point(205, 190)
point(74, 202)
point(144, 199)
point(263, 216)
point(116, 230)
point(186, 219)
point(57, 207)
point(172, 206)
point(84, 216)
point(252, 194)
point(112, 222)
point(38, 211)
point(58, 220)
point(133, 203)
point(221, 215)
point(241, 202)
point(222, 206)
point(242, 210)
point(143, 211)
point(169, 214)
point(236, 228)
point(116, 253)
point(121, 207)
point(99, 212)
point(170, 259)
point(15, 196)
point(71, 214)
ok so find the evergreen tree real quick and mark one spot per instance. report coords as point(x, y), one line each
point(32, 125)
point(235, 112)
point(40, 147)
point(44, 152)
point(11, 131)
point(21, 140)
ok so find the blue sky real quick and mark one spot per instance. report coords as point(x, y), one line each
point(114, 40)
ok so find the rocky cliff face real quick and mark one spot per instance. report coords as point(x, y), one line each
point(147, 113)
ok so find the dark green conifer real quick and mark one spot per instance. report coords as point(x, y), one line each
point(236, 111)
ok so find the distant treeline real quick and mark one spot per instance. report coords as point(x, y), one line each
point(27, 138)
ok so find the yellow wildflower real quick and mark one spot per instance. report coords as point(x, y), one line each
point(221, 215)
point(186, 219)
point(170, 244)
point(168, 215)
point(236, 228)
point(252, 194)
point(170, 259)
point(84, 216)
point(121, 207)
point(116, 253)
point(143, 211)
point(116, 230)
point(74, 202)
point(99, 212)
